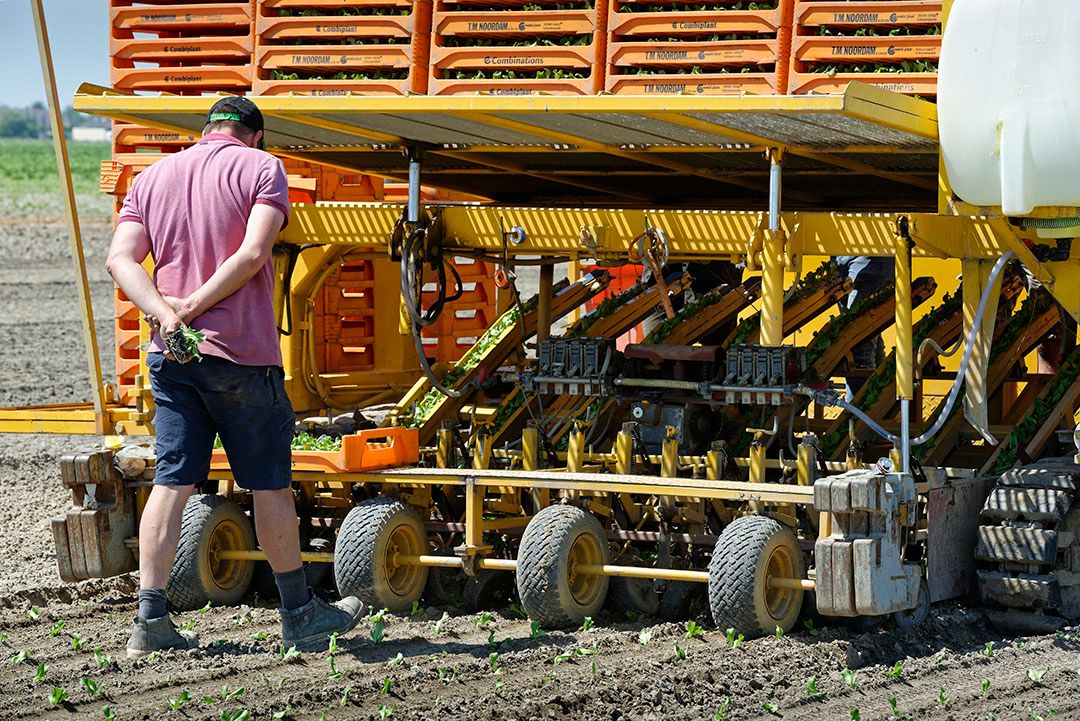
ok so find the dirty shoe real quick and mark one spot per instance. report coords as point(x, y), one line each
point(314, 622)
point(158, 634)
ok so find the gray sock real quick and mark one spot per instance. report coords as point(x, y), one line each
point(293, 589)
point(152, 603)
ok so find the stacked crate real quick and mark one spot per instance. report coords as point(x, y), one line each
point(185, 48)
point(518, 47)
point(893, 45)
point(345, 319)
point(725, 47)
point(464, 320)
point(342, 47)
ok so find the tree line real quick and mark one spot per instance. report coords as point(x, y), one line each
point(32, 121)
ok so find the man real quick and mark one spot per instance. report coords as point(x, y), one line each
point(867, 274)
point(209, 216)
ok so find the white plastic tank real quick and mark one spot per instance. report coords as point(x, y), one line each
point(1009, 103)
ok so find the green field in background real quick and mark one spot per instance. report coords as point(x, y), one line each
point(30, 186)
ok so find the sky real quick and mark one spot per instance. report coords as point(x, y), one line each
point(78, 35)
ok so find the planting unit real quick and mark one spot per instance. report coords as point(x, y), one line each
point(662, 48)
point(517, 48)
point(892, 45)
point(338, 47)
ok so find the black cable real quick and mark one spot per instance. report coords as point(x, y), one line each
point(412, 294)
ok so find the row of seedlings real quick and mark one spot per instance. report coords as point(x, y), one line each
point(517, 47)
point(892, 45)
point(342, 47)
point(722, 47)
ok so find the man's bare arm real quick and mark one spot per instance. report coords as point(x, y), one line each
point(129, 249)
point(263, 227)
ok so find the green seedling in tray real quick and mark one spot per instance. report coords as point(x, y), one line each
point(344, 12)
point(699, 70)
point(873, 32)
point(526, 42)
point(542, 74)
point(368, 75)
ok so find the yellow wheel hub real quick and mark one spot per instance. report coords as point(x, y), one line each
point(585, 587)
point(778, 601)
point(226, 573)
point(403, 577)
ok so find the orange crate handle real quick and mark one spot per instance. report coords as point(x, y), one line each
point(381, 448)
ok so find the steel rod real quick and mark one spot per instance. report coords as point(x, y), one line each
point(795, 584)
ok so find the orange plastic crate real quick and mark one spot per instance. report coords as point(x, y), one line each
point(921, 84)
point(865, 49)
point(727, 84)
point(127, 138)
point(318, 58)
point(675, 23)
point(119, 172)
point(271, 30)
point(841, 20)
point(126, 52)
point(190, 18)
point(333, 58)
point(454, 26)
point(184, 79)
point(855, 15)
point(367, 450)
point(689, 54)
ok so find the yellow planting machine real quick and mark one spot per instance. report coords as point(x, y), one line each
point(658, 418)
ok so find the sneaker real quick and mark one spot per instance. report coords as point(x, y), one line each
point(158, 634)
point(314, 622)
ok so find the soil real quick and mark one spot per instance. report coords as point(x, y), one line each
point(428, 670)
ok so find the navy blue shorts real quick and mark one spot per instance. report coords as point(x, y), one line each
point(245, 405)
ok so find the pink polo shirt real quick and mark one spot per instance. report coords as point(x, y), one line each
point(194, 206)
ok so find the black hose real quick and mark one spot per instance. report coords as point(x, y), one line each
point(412, 295)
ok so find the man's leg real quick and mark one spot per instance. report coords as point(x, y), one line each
point(159, 534)
point(279, 537)
point(185, 439)
point(256, 422)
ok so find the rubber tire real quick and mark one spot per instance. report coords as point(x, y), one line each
point(544, 566)
point(915, 617)
point(319, 575)
point(737, 576)
point(683, 601)
point(191, 585)
point(361, 544)
point(488, 591)
point(634, 595)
